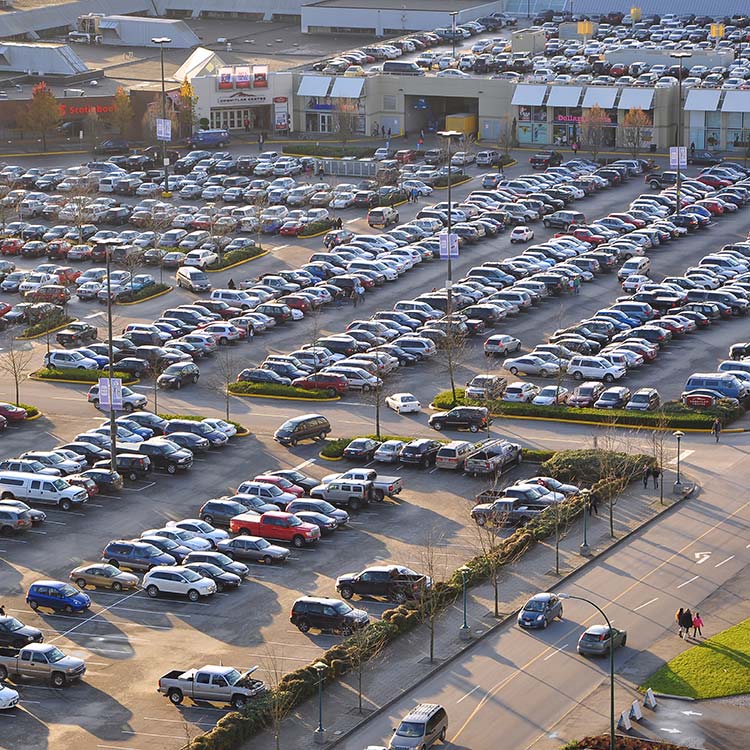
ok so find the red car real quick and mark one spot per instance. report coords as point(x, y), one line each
point(88, 484)
point(58, 249)
point(11, 246)
point(4, 308)
point(334, 385)
point(670, 325)
point(337, 237)
point(406, 156)
point(201, 222)
point(637, 223)
point(226, 311)
point(292, 228)
point(276, 526)
point(67, 275)
point(584, 234)
point(715, 208)
point(280, 482)
point(11, 412)
point(297, 302)
point(713, 181)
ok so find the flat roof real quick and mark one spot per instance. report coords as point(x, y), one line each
point(435, 6)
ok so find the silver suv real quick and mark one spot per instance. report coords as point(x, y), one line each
point(424, 725)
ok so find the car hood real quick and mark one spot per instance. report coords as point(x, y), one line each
point(346, 578)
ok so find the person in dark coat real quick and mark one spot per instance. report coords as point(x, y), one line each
point(230, 284)
point(679, 619)
point(656, 473)
point(339, 223)
point(593, 504)
point(686, 622)
point(646, 475)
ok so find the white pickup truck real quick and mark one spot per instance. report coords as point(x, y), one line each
point(211, 683)
point(383, 486)
point(42, 660)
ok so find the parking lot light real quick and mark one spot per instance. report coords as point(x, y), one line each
point(584, 549)
point(320, 667)
point(161, 41)
point(464, 629)
point(679, 55)
point(450, 136)
point(563, 595)
point(679, 434)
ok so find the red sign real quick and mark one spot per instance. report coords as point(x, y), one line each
point(699, 400)
point(280, 100)
point(84, 109)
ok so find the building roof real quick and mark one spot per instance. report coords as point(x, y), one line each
point(434, 6)
point(200, 62)
point(42, 58)
point(137, 31)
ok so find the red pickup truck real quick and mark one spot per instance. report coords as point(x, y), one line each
point(276, 525)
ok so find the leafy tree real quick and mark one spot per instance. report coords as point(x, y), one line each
point(122, 114)
point(633, 125)
point(15, 362)
point(594, 124)
point(187, 103)
point(42, 113)
point(347, 118)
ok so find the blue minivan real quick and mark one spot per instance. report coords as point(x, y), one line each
point(723, 382)
point(209, 138)
point(56, 595)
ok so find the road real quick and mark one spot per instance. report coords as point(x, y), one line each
point(525, 682)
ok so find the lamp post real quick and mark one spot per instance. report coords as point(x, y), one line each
point(584, 549)
point(679, 434)
point(161, 41)
point(450, 136)
point(108, 245)
point(320, 667)
point(453, 15)
point(679, 55)
point(611, 665)
point(464, 630)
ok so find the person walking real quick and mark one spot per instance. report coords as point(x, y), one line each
point(361, 294)
point(354, 297)
point(2, 610)
point(692, 149)
point(697, 625)
point(716, 429)
point(230, 284)
point(339, 223)
point(646, 475)
point(593, 504)
point(414, 195)
point(687, 622)
point(577, 285)
point(679, 619)
point(656, 473)
point(260, 142)
point(246, 124)
point(389, 135)
point(574, 147)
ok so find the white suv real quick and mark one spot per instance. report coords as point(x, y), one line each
point(595, 368)
point(173, 579)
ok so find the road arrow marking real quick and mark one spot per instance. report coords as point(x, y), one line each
point(701, 557)
point(691, 713)
point(671, 730)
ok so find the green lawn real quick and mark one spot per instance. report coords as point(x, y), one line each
point(713, 668)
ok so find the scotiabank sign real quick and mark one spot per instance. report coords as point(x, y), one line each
point(84, 109)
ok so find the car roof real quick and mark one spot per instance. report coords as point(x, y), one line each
point(597, 629)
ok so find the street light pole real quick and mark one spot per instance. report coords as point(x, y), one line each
point(449, 135)
point(464, 629)
point(108, 244)
point(611, 665)
point(584, 549)
point(679, 55)
point(161, 41)
point(453, 15)
point(320, 667)
point(679, 434)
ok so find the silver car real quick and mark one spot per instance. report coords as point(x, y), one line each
point(532, 365)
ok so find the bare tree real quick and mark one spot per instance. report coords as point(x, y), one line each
point(452, 354)
point(506, 137)
point(281, 698)
point(132, 261)
point(227, 364)
point(433, 563)
point(15, 363)
point(594, 124)
point(364, 645)
point(635, 126)
point(347, 118)
point(490, 545)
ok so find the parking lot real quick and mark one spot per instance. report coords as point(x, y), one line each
point(129, 640)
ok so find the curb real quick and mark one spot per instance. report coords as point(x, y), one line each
point(74, 382)
point(327, 458)
point(454, 184)
point(317, 234)
point(243, 433)
point(45, 153)
point(674, 697)
point(46, 333)
point(284, 398)
point(36, 416)
point(501, 622)
point(146, 299)
point(238, 263)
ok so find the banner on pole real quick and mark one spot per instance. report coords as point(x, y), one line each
point(448, 245)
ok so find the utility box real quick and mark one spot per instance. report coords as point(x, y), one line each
point(464, 123)
point(528, 40)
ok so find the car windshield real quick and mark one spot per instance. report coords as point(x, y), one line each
point(342, 608)
point(534, 605)
point(150, 551)
point(191, 576)
point(53, 458)
point(410, 729)
point(273, 490)
point(182, 534)
point(166, 543)
point(211, 569)
point(169, 448)
point(294, 521)
point(223, 559)
point(55, 655)
point(233, 677)
point(640, 398)
point(295, 476)
point(68, 591)
point(12, 625)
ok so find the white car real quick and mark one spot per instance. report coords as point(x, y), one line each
point(403, 403)
point(594, 368)
point(551, 395)
point(501, 344)
point(8, 697)
point(200, 258)
point(223, 333)
point(195, 542)
point(219, 424)
point(200, 529)
point(632, 283)
point(176, 579)
point(389, 451)
point(520, 392)
point(124, 435)
point(521, 234)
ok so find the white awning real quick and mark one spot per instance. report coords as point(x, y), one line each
point(108, 23)
point(564, 96)
point(601, 95)
point(347, 88)
point(636, 99)
point(736, 101)
point(528, 95)
point(702, 100)
point(314, 86)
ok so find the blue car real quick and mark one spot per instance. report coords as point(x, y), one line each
point(133, 426)
point(141, 281)
point(540, 610)
point(56, 595)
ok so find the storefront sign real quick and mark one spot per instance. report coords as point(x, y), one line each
point(280, 113)
point(226, 80)
point(242, 98)
point(260, 76)
point(242, 77)
point(84, 109)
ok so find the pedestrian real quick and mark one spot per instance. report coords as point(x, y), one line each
point(574, 147)
point(414, 195)
point(353, 297)
point(692, 148)
point(656, 473)
point(230, 284)
point(501, 169)
point(577, 285)
point(679, 617)
point(339, 223)
point(646, 475)
point(389, 135)
point(716, 429)
point(593, 504)
point(321, 170)
point(697, 625)
point(687, 622)
point(246, 123)
point(2, 610)
point(361, 294)
point(421, 134)
point(260, 142)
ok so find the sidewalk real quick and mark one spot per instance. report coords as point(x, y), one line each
point(406, 662)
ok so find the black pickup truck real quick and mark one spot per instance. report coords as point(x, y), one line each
point(77, 333)
point(544, 159)
point(658, 180)
point(393, 582)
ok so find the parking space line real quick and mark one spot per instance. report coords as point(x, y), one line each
point(88, 619)
point(298, 467)
point(115, 747)
point(66, 512)
point(144, 611)
point(98, 505)
point(181, 721)
point(58, 523)
point(147, 734)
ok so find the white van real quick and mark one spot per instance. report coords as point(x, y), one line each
point(192, 278)
point(107, 184)
point(40, 489)
point(639, 265)
point(235, 298)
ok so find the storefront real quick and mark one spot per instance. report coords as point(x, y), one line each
point(564, 102)
point(333, 104)
point(531, 123)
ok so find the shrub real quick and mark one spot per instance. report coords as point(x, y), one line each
point(48, 324)
point(148, 291)
point(88, 376)
point(236, 256)
point(534, 455)
point(590, 466)
point(31, 411)
point(200, 418)
point(335, 448)
point(272, 389)
point(324, 149)
point(455, 180)
point(321, 225)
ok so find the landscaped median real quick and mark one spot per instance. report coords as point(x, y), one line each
point(712, 668)
point(84, 377)
point(237, 258)
point(147, 293)
point(242, 431)
point(48, 326)
point(303, 683)
point(31, 411)
point(270, 390)
point(672, 415)
point(317, 228)
point(622, 742)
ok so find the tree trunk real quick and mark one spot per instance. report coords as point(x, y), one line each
point(359, 683)
point(495, 582)
point(432, 638)
point(611, 518)
point(18, 395)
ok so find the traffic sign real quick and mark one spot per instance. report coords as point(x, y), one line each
point(678, 156)
point(448, 245)
point(163, 130)
point(110, 394)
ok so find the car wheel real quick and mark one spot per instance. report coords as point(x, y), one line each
point(178, 385)
point(81, 583)
point(442, 735)
point(298, 541)
point(116, 586)
point(175, 696)
point(437, 426)
point(152, 591)
point(113, 563)
point(513, 370)
point(65, 505)
point(132, 476)
point(346, 630)
point(399, 597)
point(33, 604)
point(68, 609)
point(292, 443)
point(3, 673)
point(239, 701)
point(544, 373)
point(481, 520)
point(58, 679)
point(303, 626)
point(346, 592)
point(545, 623)
point(608, 378)
point(209, 519)
point(193, 595)
point(95, 402)
point(578, 375)
point(624, 641)
point(127, 408)
point(560, 614)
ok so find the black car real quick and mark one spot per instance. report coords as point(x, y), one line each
point(220, 560)
point(106, 480)
point(703, 157)
point(135, 366)
point(14, 634)
point(259, 375)
point(472, 418)
point(202, 429)
point(194, 443)
point(176, 375)
point(112, 146)
point(361, 448)
point(421, 451)
point(297, 477)
point(393, 582)
point(166, 455)
point(92, 453)
point(327, 615)
point(150, 420)
point(222, 578)
point(326, 524)
point(132, 466)
point(178, 551)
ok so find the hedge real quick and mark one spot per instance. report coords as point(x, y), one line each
point(591, 466)
point(315, 227)
point(272, 389)
point(31, 411)
point(235, 256)
point(301, 684)
point(672, 414)
point(323, 150)
point(200, 418)
point(90, 376)
point(148, 291)
point(49, 324)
